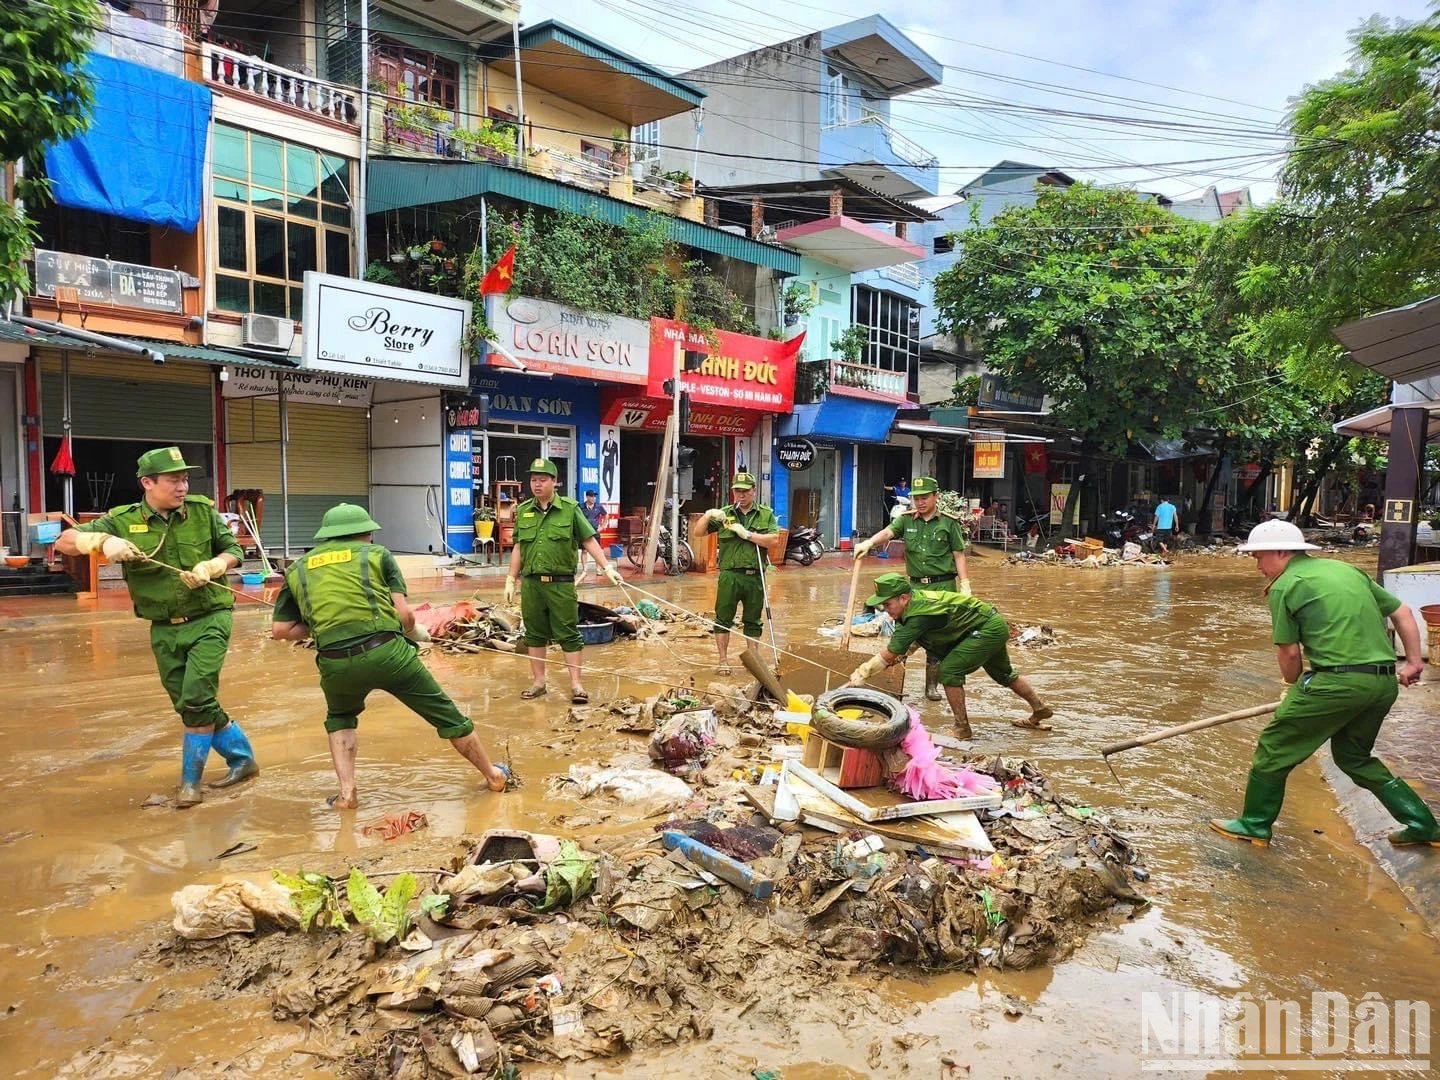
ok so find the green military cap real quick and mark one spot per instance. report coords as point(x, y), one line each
point(540, 465)
point(166, 459)
point(925, 485)
point(345, 519)
point(743, 481)
point(887, 587)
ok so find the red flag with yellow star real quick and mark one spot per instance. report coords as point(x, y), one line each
point(501, 276)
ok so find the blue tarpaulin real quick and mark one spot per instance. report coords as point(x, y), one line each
point(143, 156)
point(850, 419)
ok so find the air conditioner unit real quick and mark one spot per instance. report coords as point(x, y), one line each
point(267, 332)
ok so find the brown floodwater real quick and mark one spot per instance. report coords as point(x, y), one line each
point(88, 736)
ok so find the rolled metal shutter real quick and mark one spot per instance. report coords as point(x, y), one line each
point(121, 398)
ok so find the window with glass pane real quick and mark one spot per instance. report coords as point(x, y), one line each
point(271, 197)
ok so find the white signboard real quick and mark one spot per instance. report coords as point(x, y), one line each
point(362, 329)
point(316, 387)
point(552, 337)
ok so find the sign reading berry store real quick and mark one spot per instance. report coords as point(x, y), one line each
point(741, 372)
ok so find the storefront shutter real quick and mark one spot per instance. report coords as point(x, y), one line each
point(129, 399)
point(328, 458)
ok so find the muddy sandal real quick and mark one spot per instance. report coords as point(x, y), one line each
point(579, 697)
point(724, 669)
point(533, 692)
point(505, 771)
point(1036, 720)
point(335, 802)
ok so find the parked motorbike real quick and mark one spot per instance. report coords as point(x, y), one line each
point(635, 552)
point(1120, 528)
point(804, 545)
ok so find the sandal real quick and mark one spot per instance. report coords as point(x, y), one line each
point(1036, 720)
point(533, 692)
point(335, 802)
point(724, 669)
point(509, 778)
point(579, 697)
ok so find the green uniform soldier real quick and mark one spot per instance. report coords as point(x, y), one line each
point(349, 595)
point(550, 530)
point(748, 532)
point(189, 612)
point(934, 553)
point(1337, 613)
point(964, 632)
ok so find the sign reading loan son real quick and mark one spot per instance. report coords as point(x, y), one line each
point(378, 332)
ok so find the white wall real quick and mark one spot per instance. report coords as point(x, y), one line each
point(407, 458)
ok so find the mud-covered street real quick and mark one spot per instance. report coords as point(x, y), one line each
point(90, 869)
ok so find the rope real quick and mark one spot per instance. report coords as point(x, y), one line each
point(217, 584)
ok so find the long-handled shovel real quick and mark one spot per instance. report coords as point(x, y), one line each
point(850, 607)
point(1184, 729)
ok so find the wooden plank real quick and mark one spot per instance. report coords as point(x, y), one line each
point(830, 668)
point(877, 804)
point(957, 834)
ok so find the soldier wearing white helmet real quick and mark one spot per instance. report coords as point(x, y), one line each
point(1337, 614)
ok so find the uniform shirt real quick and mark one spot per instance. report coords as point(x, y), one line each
point(1165, 515)
point(191, 534)
point(930, 546)
point(550, 538)
point(1334, 610)
point(937, 620)
point(733, 553)
point(377, 604)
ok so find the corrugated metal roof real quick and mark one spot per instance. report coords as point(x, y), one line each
point(397, 184)
point(533, 37)
point(172, 350)
point(14, 332)
point(1402, 344)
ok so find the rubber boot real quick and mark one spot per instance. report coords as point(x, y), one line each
point(932, 681)
point(232, 745)
point(193, 753)
point(1409, 809)
point(1263, 797)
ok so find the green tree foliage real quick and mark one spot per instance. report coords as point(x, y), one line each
point(1087, 296)
point(44, 99)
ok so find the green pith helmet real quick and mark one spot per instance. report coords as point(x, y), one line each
point(925, 485)
point(164, 460)
point(887, 587)
point(345, 519)
point(743, 481)
point(546, 468)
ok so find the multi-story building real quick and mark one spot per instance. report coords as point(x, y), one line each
point(797, 145)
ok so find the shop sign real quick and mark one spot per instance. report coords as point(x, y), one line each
point(995, 393)
point(650, 414)
point(557, 448)
point(1059, 495)
point(989, 460)
point(795, 453)
point(545, 336)
point(360, 328)
point(741, 372)
point(100, 281)
point(313, 387)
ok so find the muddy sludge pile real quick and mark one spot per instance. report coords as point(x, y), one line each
point(525, 947)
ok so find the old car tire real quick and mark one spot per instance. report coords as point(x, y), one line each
point(864, 734)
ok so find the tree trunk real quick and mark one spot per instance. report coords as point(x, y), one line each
point(1302, 511)
point(1252, 492)
point(1083, 471)
point(1205, 519)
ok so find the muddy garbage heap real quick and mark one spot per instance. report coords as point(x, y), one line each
point(528, 947)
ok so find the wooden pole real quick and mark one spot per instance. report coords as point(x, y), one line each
point(657, 501)
point(1186, 729)
point(850, 606)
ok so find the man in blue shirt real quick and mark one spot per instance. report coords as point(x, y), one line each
point(1165, 522)
point(595, 514)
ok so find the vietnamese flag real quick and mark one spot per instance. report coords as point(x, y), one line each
point(501, 276)
point(791, 348)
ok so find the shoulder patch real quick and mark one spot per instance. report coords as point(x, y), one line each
point(203, 499)
point(126, 509)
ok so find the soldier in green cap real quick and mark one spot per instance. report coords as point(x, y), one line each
point(748, 532)
point(349, 595)
point(549, 531)
point(934, 553)
point(174, 550)
point(963, 631)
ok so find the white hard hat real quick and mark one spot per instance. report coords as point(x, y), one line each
point(1276, 536)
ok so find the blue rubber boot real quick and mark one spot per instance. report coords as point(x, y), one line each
point(193, 753)
point(232, 745)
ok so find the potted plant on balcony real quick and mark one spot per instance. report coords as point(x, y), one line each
point(683, 182)
point(851, 344)
point(800, 301)
point(620, 149)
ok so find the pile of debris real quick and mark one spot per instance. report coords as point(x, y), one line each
point(1032, 637)
point(1089, 556)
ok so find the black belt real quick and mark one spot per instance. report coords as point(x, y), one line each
point(931, 580)
point(181, 620)
point(374, 642)
point(739, 570)
point(1362, 669)
point(548, 578)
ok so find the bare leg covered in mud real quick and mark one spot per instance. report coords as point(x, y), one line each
point(473, 750)
point(537, 672)
point(343, 747)
point(722, 650)
point(1039, 711)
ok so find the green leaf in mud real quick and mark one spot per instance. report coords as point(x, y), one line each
point(395, 911)
point(434, 904)
point(312, 894)
point(365, 900)
point(384, 918)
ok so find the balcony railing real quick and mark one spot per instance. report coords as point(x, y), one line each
point(816, 378)
point(903, 273)
point(281, 86)
point(907, 150)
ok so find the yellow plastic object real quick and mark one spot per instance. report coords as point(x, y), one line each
point(795, 703)
point(850, 714)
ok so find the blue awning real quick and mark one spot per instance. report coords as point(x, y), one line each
point(845, 418)
point(143, 156)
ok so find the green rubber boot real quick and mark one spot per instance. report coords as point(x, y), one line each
point(932, 681)
point(1409, 809)
point(1263, 797)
